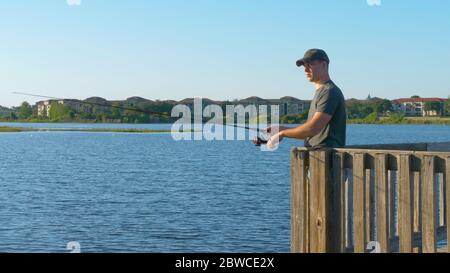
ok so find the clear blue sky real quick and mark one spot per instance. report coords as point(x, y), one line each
point(221, 49)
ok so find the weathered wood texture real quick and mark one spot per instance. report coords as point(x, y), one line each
point(343, 200)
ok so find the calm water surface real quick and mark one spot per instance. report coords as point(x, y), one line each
point(119, 192)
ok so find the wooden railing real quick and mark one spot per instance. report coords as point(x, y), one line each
point(374, 198)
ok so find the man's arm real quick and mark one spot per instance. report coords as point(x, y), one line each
point(310, 128)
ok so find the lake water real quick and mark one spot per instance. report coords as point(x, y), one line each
point(120, 192)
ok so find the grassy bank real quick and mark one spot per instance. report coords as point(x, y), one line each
point(96, 130)
point(5, 129)
point(411, 121)
point(397, 119)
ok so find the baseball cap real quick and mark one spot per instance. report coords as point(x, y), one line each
point(313, 55)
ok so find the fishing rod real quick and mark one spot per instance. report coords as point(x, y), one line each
point(257, 141)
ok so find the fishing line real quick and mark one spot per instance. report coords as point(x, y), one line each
point(258, 141)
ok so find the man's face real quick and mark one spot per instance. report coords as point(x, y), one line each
point(314, 70)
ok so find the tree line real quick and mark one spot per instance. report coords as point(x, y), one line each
point(357, 110)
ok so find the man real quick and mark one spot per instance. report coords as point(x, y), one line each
point(326, 124)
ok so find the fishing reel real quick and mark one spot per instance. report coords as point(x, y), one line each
point(258, 141)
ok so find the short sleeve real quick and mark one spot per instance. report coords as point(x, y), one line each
point(328, 102)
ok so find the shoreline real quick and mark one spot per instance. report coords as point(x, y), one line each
point(400, 120)
point(444, 121)
point(7, 129)
point(403, 121)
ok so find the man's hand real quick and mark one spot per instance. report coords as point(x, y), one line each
point(275, 128)
point(275, 140)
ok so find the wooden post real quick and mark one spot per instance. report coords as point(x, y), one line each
point(367, 205)
point(304, 204)
point(339, 202)
point(299, 201)
point(320, 203)
point(296, 217)
point(349, 227)
point(417, 227)
point(382, 195)
point(392, 200)
point(358, 202)
point(441, 200)
point(429, 205)
point(404, 205)
point(307, 183)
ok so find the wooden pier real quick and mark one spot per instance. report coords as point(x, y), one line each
point(371, 198)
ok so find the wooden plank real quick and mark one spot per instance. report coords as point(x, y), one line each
point(296, 216)
point(436, 147)
point(415, 163)
point(382, 202)
point(349, 207)
point(367, 206)
point(417, 208)
point(447, 198)
point(329, 220)
point(405, 205)
point(313, 200)
point(358, 203)
point(393, 224)
point(439, 147)
point(399, 146)
point(303, 184)
point(428, 203)
point(339, 202)
point(306, 232)
point(319, 200)
point(391, 151)
point(440, 180)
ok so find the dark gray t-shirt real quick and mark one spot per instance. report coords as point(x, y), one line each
point(330, 100)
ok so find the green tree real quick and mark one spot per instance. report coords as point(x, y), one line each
point(353, 110)
point(415, 97)
point(115, 113)
point(433, 106)
point(395, 118)
point(367, 110)
point(25, 111)
point(372, 118)
point(161, 107)
point(12, 115)
point(383, 106)
point(60, 112)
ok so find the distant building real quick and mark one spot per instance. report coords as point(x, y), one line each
point(43, 107)
point(292, 106)
point(288, 105)
point(416, 106)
